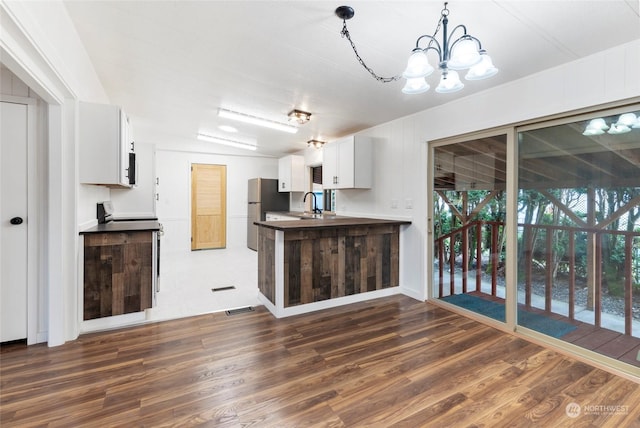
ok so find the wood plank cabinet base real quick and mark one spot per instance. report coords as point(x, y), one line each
point(330, 263)
point(117, 273)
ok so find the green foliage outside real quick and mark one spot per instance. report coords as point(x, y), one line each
point(566, 208)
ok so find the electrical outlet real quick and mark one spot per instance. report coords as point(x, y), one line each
point(394, 203)
point(408, 204)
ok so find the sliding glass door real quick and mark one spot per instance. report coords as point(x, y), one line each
point(579, 232)
point(468, 214)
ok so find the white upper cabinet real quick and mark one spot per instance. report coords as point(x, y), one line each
point(106, 146)
point(291, 174)
point(347, 163)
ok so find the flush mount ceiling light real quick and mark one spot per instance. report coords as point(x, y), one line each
point(299, 116)
point(461, 53)
point(254, 120)
point(624, 124)
point(315, 143)
point(226, 142)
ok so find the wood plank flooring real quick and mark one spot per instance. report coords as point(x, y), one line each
point(388, 362)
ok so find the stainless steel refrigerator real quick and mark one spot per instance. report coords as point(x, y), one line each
point(263, 196)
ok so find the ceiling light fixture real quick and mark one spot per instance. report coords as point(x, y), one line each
point(226, 142)
point(461, 53)
point(315, 143)
point(299, 116)
point(254, 120)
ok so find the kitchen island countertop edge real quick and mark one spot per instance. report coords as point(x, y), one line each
point(330, 222)
point(123, 226)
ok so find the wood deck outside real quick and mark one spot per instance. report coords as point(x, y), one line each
point(598, 339)
point(389, 362)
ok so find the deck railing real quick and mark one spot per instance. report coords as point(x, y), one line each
point(485, 235)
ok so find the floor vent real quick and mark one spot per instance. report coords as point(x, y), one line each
point(239, 310)
point(230, 287)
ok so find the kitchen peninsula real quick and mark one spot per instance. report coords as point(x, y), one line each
point(311, 264)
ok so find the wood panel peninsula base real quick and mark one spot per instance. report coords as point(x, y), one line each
point(308, 265)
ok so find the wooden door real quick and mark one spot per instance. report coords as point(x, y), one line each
point(208, 206)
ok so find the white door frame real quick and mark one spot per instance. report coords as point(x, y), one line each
point(57, 199)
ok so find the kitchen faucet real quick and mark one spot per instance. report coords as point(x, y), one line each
point(315, 201)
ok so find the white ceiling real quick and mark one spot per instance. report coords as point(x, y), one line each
point(172, 64)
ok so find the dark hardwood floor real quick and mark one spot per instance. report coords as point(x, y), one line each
point(388, 362)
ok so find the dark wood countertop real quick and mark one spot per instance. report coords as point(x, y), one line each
point(328, 222)
point(124, 226)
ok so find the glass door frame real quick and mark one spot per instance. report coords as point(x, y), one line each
point(510, 218)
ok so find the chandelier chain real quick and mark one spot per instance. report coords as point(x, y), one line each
point(345, 33)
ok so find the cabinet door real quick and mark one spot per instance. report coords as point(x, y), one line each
point(330, 166)
point(103, 145)
point(346, 164)
point(118, 273)
point(291, 174)
point(284, 174)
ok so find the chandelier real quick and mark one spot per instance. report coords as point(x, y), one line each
point(625, 123)
point(462, 53)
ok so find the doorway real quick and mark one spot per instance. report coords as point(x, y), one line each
point(208, 206)
point(13, 229)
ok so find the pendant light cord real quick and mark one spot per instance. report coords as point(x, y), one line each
point(345, 33)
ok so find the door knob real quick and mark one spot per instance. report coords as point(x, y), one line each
point(16, 220)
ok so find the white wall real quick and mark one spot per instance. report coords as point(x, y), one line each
point(400, 155)
point(173, 167)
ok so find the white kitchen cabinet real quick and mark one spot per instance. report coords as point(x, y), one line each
point(106, 146)
point(291, 174)
point(347, 163)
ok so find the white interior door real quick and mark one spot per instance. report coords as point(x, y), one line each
point(13, 222)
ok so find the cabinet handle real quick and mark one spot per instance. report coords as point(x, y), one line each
point(157, 181)
point(133, 147)
point(157, 196)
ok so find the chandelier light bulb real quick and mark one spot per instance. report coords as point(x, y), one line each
point(598, 123)
point(629, 120)
point(418, 65)
point(463, 55)
point(449, 82)
point(618, 129)
point(482, 70)
point(416, 85)
point(592, 131)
